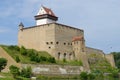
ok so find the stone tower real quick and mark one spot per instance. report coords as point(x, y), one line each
point(78, 44)
point(45, 16)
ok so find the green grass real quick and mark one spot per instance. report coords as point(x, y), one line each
point(8, 76)
point(23, 59)
point(13, 52)
point(72, 63)
point(100, 63)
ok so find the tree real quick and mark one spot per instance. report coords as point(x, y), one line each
point(14, 71)
point(3, 63)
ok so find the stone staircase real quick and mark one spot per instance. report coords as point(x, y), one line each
point(10, 62)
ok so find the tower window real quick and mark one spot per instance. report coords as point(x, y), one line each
point(47, 43)
point(64, 55)
point(49, 47)
point(51, 42)
point(57, 42)
point(64, 43)
point(59, 55)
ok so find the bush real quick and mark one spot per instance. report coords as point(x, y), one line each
point(23, 51)
point(3, 63)
point(14, 48)
point(17, 59)
point(14, 71)
point(83, 76)
point(26, 72)
point(42, 58)
point(51, 59)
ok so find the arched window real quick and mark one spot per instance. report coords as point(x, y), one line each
point(58, 55)
point(64, 55)
point(70, 56)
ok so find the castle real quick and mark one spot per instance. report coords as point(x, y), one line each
point(61, 41)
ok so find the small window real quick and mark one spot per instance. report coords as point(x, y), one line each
point(51, 42)
point(47, 43)
point(64, 43)
point(49, 47)
point(57, 42)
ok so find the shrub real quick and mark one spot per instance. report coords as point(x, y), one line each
point(26, 72)
point(83, 76)
point(51, 59)
point(17, 59)
point(14, 71)
point(3, 63)
point(23, 51)
point(43, 58)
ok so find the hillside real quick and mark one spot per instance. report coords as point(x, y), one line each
point(99, 62)
point(31, 56)
point(9, 59)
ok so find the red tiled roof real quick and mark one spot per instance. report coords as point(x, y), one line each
point(49, 11)
point(77, 38)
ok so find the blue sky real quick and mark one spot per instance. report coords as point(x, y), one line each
point(100, 19)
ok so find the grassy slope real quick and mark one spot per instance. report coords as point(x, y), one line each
point(23, 59)
point(26, 59)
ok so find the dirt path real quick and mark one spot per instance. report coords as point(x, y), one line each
point(11, 61)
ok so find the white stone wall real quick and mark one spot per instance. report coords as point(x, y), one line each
point(44, 21)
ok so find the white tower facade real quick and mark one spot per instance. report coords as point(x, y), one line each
point(45, 16)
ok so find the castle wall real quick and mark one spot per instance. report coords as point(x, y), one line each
point(63, 36)
point(37, 37)
point(110, 59)
point(94, 51)
point(53, 38)
point(55, 69)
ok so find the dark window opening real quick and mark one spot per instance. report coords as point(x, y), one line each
point(47, 43)
point(51, 42)
point(57, 42)
point(49, 47)
point(64, 55)
point(64, 43)
point(59, 55)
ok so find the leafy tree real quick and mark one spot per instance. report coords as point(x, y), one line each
point(3, 63)
point(14, 71)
